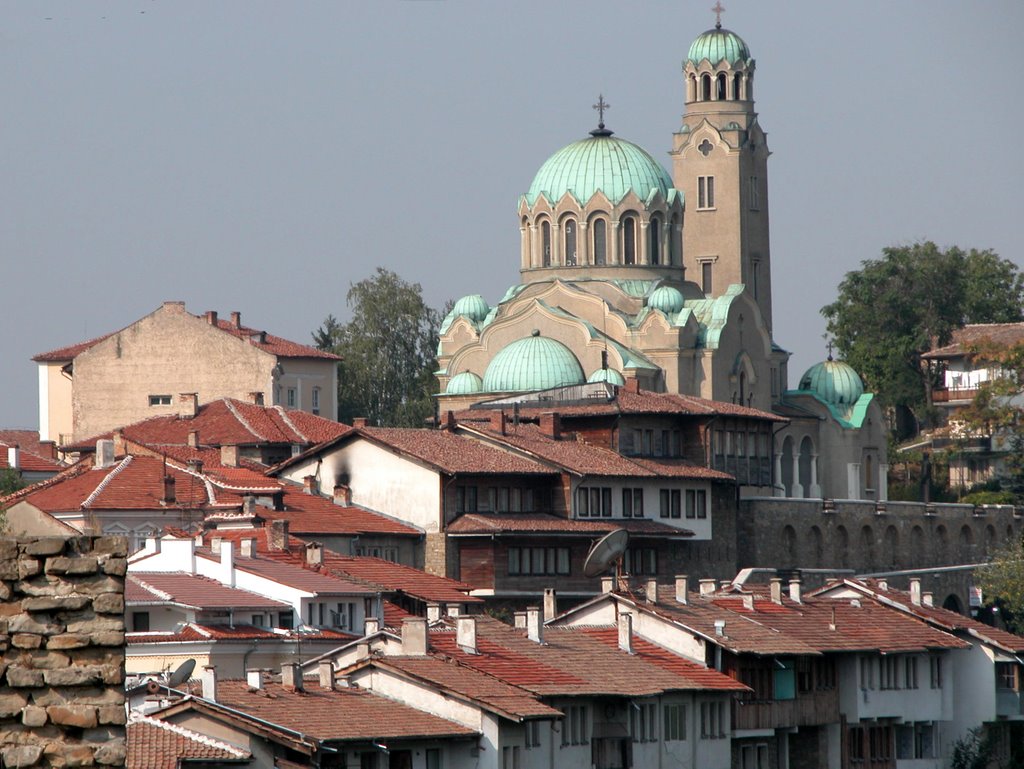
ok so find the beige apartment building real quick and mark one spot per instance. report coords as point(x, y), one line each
point(172, 359)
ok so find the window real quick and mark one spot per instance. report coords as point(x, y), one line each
point(574, 725)
point(696, 503)
point(641, 562)
point(1007, 676)
point(545, 240)
point(675, 722)
point(532, 734)
point(629, 240)
point(286, 620)
point(593, 503)
point(644, 720)
point(343, 616)
point(705, 192)
point(712, 720)
point(600, 242)
point(910, 673)
point(510, 757)
point(538, 560)
point(754, 756)
point(867, 673)
point(824, 675)
point(888, 675)
point(654, 241)
point(159, 400)
point(258, 620)
point(754, 196)
point(316, 400)
point(290, 393)
point(465, 499)
point(784, 680)
point(705, 278)
point(671, 503)
point(140, 621)
point(433, 756)
point(935, 671)
point(632, 503)
point(570, 242)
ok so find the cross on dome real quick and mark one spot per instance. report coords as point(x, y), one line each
point(718, 8)
point(601, 106)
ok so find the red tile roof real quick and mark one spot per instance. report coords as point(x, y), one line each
point(155, 744)
point(195, 633)
point(68, 353)
point(28, 440)
point(979, 334)
point(28, 460)
point(453, 453)
point(542, 523)
point(314, 515)
point(193, 591)
point(300, 577)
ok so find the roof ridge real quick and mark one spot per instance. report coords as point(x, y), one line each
point(290, 423)
point(156, 591)
point(210, 496)
point(242, 420)
point(106, 481)
point(135, 717)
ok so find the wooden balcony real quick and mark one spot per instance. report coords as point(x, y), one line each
point(810, 709)
point(954, 394)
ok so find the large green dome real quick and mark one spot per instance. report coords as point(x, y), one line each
point(601, 162)
point(533, 363)
point(834, 382)
point(718, 44)
point(473, 307)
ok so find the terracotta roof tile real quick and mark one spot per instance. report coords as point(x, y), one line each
point(192, 590)
point(979, 334)
point(453, 453)
point(196, 633)
point(28, 440)
point(155, 744)
point(28, 460)
point(300, 577)
point(542, 523)
point(68, 353)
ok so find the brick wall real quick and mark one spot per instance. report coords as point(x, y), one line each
point(62, 641)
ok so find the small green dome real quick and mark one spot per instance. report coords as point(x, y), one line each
point(464, 383)
point(718, 44)
point(834, 382)
point(474, 307)
point(533, 363)
point(667, 299)
point(602, 162)
point(609, 375)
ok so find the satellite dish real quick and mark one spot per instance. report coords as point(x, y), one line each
point(182, 673)
point(606, 552)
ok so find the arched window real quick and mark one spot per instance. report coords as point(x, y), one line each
point(869, 473)
point(545, 243)
point(841, 553)
point(787, 466)
point(736, 80)
point(721, 96)
point(705, 88)
point(674, 257)
point(600, 241)
point(750, 88)
point(693, 88)
point(818, 546)
point(570, 242)
point(629, 240)
point(654, 241)
point(892, 547)
point(804, 464)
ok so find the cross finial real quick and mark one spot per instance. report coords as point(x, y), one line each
point(718, 8)
point(829, 346)
point(601, 106)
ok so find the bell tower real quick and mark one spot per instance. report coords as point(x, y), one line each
point(720, 162)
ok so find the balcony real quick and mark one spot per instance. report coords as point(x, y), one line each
point(810, 709)
point(1009, 704)
point(954, 394)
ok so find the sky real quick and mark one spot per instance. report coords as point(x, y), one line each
point(263, 156)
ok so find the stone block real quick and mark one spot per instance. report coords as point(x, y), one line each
point(84, 695)
point(45, 546)
point(74, 676)
point(26, 640)
point(8, 570)
point(23, 623)
point(5, 591)
point(49, 603)
point(78, 755)
point(8, 549)
point(112, 714)
point(67, 641)
point(112, 753)
point(108, 638)
point(96, 625)
point(21, 677)
point(12, 703)
point(108, 603)
point(33, 716)
point(43, 659)
point(118, 566)
point(110, 546)
point(29, 567)
point(21, 755)
point(82, 716)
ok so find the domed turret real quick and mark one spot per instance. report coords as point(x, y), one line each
point(533, 363)
point(667, 299)
point(464, 383)
point(834, 382)
point(609, 375)
point(717, 45)
point(474, 307)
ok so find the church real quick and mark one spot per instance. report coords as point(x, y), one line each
point(629, 272)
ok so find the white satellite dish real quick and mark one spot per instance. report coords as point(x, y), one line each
point(606, 553)
point(182, 673)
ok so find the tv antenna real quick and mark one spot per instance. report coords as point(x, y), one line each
point(181, 673)
point(606, 553)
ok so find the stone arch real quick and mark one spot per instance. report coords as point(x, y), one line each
point(599, 243)
point(569, 247)
point(953, 603)
point(941, 544)
point(917, 546)
point(805, 465)
point(544, 246)
point(705, 87)
point(892, 546)
point(629, 228)
point(842, 547)
point(966, 539)
point(789, 543)
point(866, 546)
point(787, 466)
point(817, 547)
point(991, 539)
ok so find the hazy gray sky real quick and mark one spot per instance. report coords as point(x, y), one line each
point(261, 156)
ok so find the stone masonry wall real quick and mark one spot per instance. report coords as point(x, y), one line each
point(62, 646)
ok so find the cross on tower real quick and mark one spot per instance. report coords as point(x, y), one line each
point(829, 346)
point(601, 106)
point(718, 8)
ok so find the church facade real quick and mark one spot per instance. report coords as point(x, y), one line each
point(629, 272)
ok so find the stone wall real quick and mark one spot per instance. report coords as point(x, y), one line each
point(62, 641)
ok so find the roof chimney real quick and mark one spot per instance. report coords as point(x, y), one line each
point(247, 547)
point(607, 584)
point(343, 495)
point(14, 457)
point(465, 634)
point(499, 422)
point(550, 603)
point(48, 449)
point(371, 625)
point(720, 627)
point(707, 586)
point(414, 636)
point(651, 591)
point(927, 599)
point(209, 679)
point(314, 553)
point(360, 422)
point(915, 591)
point(104, 453)
point(309, 484)
point(450, 422)
point(794, 590)
point(211, 317)
point(682, 589)
point(551, 424)
point(236, 319)
point(188, 405)
point(279, 535)
point(229, 456)
point(227, 562)
point(215, 543)
point(534, 626)
point(883, 584)
point(193, 439)
point(748, 601)
point(326, 669)
point(626, 632)
point(256, 397)
point(291, 676)
point(433, 612)
point(632, 385)
point(519, 619)
point(170, 497)
point(776, 589)
point(254, 677)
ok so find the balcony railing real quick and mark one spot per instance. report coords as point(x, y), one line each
point(806, 710)
point(947, 394)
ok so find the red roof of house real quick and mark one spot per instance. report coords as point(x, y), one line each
point(452, 453)
point(542, 523)
point(192, 590)
point(195, 633)
point(27, 459)
point(155, 744)
point(979, 334)
point(28, 440)
point(68, 353)
point(314, 515)
point(306, 578)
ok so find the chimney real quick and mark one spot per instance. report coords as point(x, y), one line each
point(651, 591)
point(633, 385)
point(279, 535)
point(519, 619)
point(707, 586)
point(326, 669)
point(748, 601)
point(291, 676)
point(499, 422)
point(414, 636)
point(433, 612)
point(343, 495)
point(626, 632)
point(551, 424)
point(256, 397)
point(249, 504)
point(927, 599)
point(209, 679)
point(371, 625)
point(193, 439)
point(48, 449)
point(254, 677)
point(550, 603)
point(465, 634)
point(314, 553)
point(450, 422)
point(360, 422)
point(104, 453)
point(14, 457)
point(534, 626)
point(236, 319)
point(795, 593)
point(915, 591)
point(118, 438)
point(720, 627)
point(883, 584)
point(215, 543)
point(453, 610)
point(170, 497)
point(247, 547)
point(607, 584)
point(229, 456)
point(682, 589)
point(188, 405)
point(227, 562)
point(309, 484)
point(211, 317)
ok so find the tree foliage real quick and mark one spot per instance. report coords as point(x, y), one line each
point(894, 309)
point(1002, 581)
point(10, 481)
point(388, 351)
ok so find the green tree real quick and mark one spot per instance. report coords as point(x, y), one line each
point(388, 351)
point(1002, 581)
point(10, 481)
point(894, 309)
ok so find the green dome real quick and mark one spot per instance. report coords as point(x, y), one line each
point(614, 166)
point(718, 44)
point(473, 307)
point(667, 299)
point(464, 383)
point(609, 375)
point(533, 363)
point(834, 382)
